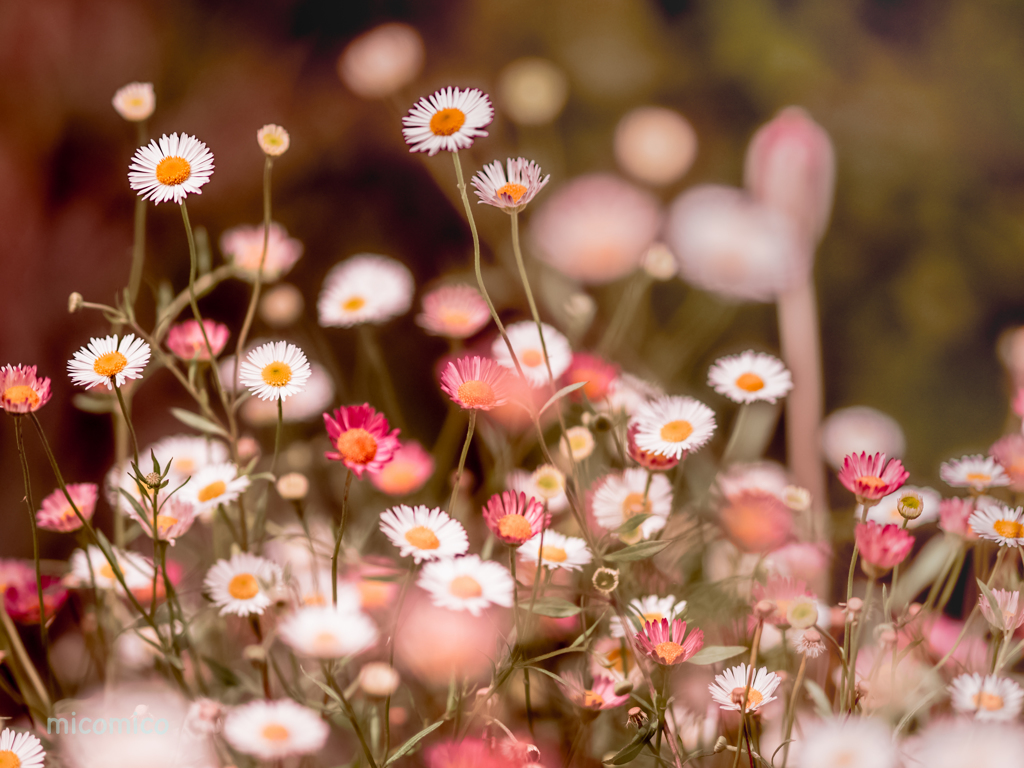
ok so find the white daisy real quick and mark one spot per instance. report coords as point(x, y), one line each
point(525, 482)
point(853, 742)
point(109, 359)
point(274, 371)
point(241, 585)
point(135, 102)
point(987, 698)
point(20, 750)
point(549, 481)
point(467, 584)
point(577, 443)
point(271, 730)
point(316, 396)
point(651, 608)
point(325, 632)
point(673, 426)
point(750, 377)
point(995, 522)
point(976, 472)
point(728, 688)
point(887, 510)
point(313, 588)
point(559, 551)
point(173, 520)
point(365, 288)
point(509, 192)
point(170, 168)
point(448, 119)
point(187, 455)
point(213, 485)
point(621, 496)
point(136, 569)
point(424, 533)
point(526, 342)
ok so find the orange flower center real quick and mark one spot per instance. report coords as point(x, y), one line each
point(447, 121)
point(455, 319)
point(750, 382)
point(978, 477)
point(465, 587)
point(357, 445)
point(354, 304)
point(325, 642)
point(1008, 529)
point(9, 760)
point(172, 171)
point(512, 191)
point(212, 491)
point(667, 652)
point(21, 393)
point(754, 698)
point(515, 527)
point(532, 358)
point(676, 431)
point(243, 586)
point(554, 554)
point(476, 394)
point(110, 364)
point(106, 571)
point(373, 593)
point(275, 732)
point(186, 466)
point(277, 374)
point(592, 700)
point(422, 537)
point(987, 701)
point(634, 505)
point(652, 617)
point(871, 482)
point(164, 523)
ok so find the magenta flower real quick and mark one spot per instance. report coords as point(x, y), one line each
point(869, 478)
point(514, 518)
point(361, 438)
point(664, 642)
point(475, 383)
point(21, 391)
point(882, 547)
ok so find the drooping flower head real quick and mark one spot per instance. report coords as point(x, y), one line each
point(882, 546)
point(328, 632)
point(750, 377)
point(869, 478)
point(599, 695)
point(241, 585)
point(135, 102)
point(408, 471)
point(273, 140)
point(1011, 610)
point(186, 342)
point(454, 311)
point(475, 383)
point(21, 391)
point(56, 513)
point(986, 698)
point(275, 371)
point(509, 191)
point(109, 361)
point(978, 473)
point(996, 522)
point(243, 247)
point(513, 518)
point(663, 641)
point(728, 688)
point(467, 584)
point(272, 730)
point(448, 119)
point(366, 288)
point(529, 351)
point(597, 372)
point(673, 426)
point(361, 438)
point(170, 168)
point(424, 533)
point(558, 551)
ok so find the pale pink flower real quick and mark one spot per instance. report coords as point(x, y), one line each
point(21, 391)
point(1011, 610)
point(475, 383)
point(56, 513)
point(655, 145)
point(454, 311)
point(382, 61)
point(408, 471)
point(883, 547)
point(955, 516)
point(243, 247)
point(186, 342)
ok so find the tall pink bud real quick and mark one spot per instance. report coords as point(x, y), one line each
point(791, 166)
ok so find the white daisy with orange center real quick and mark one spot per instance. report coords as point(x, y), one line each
point(170, 168)
point(135, 102)
point(996, 522)
point(673, 426)
point(366, 288)
point(975, 472)
point(173, 519)
point(448, 120)
point(20, 750)
point(986, 698)
point(424, 533)
point(212, 486)
point(275, 371)
point(750, 377)
point(620, 497)
point(509, 191)
point(558, 551)
point(273, 730)
point(242, 585)
point(475, 383)
point(326, 632)
point(453, 311)
point(90, 566)
point(650, 608)
point(57, 514)
point(109, 361)
point(729, 686)
point(529, 351)
point(467, 584)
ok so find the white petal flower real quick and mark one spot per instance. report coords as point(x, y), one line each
point(272, 730)
point(241, 585)
point(750, 377)
point(527, 344)
point(326, 632)
point(426, 534)
point(109, 360)
point(365, 288)
point(987, 698)
point(448, 120)
point(171, 168)
point(275, 371)
point(467, 584)
point(673, 426)
point(558, 551)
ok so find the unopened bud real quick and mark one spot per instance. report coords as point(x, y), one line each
point(910, 506)
point(855, 606)
point(378, 679)
point(153, 480)
point(601, 423)
point(532, 753)
point(796, 498)
point(659, 262)
point(75, 301)
point(764, 608)
point(293, 486)
point(623, 687)
point(721, 744)
point(256, 654)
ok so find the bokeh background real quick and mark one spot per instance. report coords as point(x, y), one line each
point(918, 276)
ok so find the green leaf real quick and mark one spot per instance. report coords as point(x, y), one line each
point(93, 404)
point(555, 607)
point(224, 676)
point(560, 394)
point(629, 752)
point(821, 702)
point(412, 742)
point(641, 551)
point(632, 524)
point(712, 654)
point(196, 421)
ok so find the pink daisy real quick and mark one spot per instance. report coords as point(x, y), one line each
point(1011, 610)
point(513, 518)
point(454, 311)
point(185, 339)
point(57, 515)
point(882, 547)
point(664, 642)
point(781, 591)
point(597, 372)
point(600, 695)
point(407, 472)
point(21, 391)
point(21, 600)
point(955, 516)
point(243, 245)
point(869, 478)
point(475, 383)
point(361, 438)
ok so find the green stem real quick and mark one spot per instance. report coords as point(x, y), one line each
point(791, 709)
point(529, 292)
point(277, 434)
point(624, 312)
point(337, 542)
point(376, 356)
point(128, 422)
point(351, 715)
point(391, 656)
point(462, 462)
point(737, 429)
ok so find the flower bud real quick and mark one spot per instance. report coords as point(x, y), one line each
point(721, 744)
point(796, 498)
point(378, 679)
point(910, 505)
point(293, 486)
point(854, 607)
point(764, 608)
point(273, 140)
point(623, 687)
point(636, 717)
point(606, 580)
point(659, 263)
point(75, 301)
point(802, 612)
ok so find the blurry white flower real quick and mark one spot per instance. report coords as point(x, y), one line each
point(532, 91)
point(655, 145)
point(272, 730)
point(857, 429)
point(273, 140)
point(135, 102)
point(366, 288)
point(854, 742)
point(243, 247)
point(282, 305)
point(327, 632)
point(526, 342)
point(382, 61)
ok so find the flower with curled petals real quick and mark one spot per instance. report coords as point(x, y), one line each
point(663, 641)
point(361, 438)
point(475, 383)
point(869, 478)
point(513, 518)
point(21, 390)
point(509, 191)
point(1010, 615)
point(882, 546)
point(448, 120)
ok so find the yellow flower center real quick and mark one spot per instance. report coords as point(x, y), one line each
point(978, 477)
point(465, 587)
point(373, 593)
point(357, 445)
point(164, 523)
point(990, 702)
point(652, 617)
point(243, 586)
point(275, 732)
point(750, 382)
point(512, 191)
point(447, 121)
point(454, 319)
point(1008, 529)
point(676, 431)
point(634, 505)
point(422, 537)
point(592, 700)
point(277, 374)
point(578, 443)
point(872, 482)
point(532, 358)
point(212, 491)
point(186, 465)
point(754, 699)
point(554, 554)
point(172, 171)
point(667, 652)
point(21, 393)
point(325, 642)
point(106, 571)
point(110, 364)
point(314, 598)
point(515, 527)
point(9, 760)
point(354, 304)
point(551, 484)
point(476, 394)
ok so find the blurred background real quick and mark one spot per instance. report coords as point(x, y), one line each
point(918, 275)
